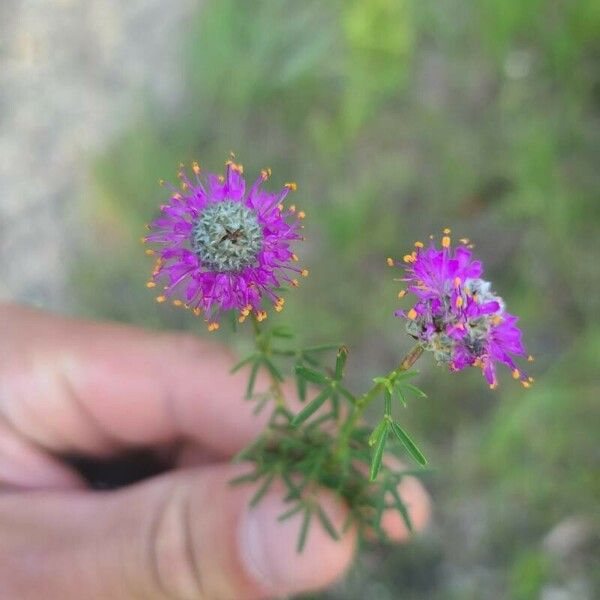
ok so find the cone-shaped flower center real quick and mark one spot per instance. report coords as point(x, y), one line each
point(227, 237)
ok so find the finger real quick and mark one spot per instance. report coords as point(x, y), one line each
point(76, 386)
point(186, 535)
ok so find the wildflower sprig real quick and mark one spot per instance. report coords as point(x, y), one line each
point(325, 443)
point(224, 248)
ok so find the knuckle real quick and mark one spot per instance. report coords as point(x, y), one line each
point(174, 564)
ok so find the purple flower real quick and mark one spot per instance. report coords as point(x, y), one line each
point(457, 316)
point(223, 247)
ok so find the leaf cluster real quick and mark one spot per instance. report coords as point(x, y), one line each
point(325, 444)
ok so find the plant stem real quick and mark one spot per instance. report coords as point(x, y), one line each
point(363, 402)
point(264, 348)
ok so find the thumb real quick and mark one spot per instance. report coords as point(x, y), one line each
point(188, 534)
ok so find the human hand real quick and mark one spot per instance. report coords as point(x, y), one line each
point(97, 390)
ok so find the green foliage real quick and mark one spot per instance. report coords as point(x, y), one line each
point(321, 445)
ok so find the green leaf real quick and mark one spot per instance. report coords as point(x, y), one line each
point(263, 489)
point(374, 437)
point(291, 512)
point(321, 348)
point(401, 508)
point(410, 446)
point(347, 394)
point(252, 379)
point(402, 375)
point(244, 362)
point(249, 477)
point(304, 529)
point(378, 452)
point(387, 396)
point(301, 388)
point(327, 524)
point(400, 395)
point(415, 390)
point(312, 407)
point(273, 369)
point(310, 374)
point(340, 362)
point(283, 332)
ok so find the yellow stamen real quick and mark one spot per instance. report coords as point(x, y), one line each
point(459, 301)
point(526, 384)
point(150, 252)
point(291, 186)
point(150, 284)
point(294, 258)
point(419, 244)
point(197, 311)
point(161, 182)
point(265, 174)
point(261, 315)
point(446, 242)
point(280, 206)
point(221, 179)
point(408, 258)
point(213, 326)
point(497, 320)
point(177, 303)
point(292, 208)
point(447, 230)
point(530, 358)
point(160, 299)
point(516, 374)
point(456, 281)
point(412, 314)
point(464, 240)
point(493, 386)
point(196, 167)
point(390, 261)
point(301, 214)
point(304, 272)
point(401, 293)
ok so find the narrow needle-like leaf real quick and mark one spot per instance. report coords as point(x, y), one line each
point(410, 446)
point(378, 452)
point(312, 407)
point(304, 529)
point(327, 524)
point(310, 374)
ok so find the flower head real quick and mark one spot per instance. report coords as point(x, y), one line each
point(457, 315)
point(222, 247)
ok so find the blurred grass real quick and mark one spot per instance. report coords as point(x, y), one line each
point(396, 118)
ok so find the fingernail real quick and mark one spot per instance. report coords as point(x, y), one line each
point(269, 551)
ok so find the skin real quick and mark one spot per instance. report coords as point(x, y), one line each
point(97, 390)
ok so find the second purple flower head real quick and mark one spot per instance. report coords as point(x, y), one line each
point(457, 315)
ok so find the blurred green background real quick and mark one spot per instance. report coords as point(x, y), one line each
point(397, 118)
